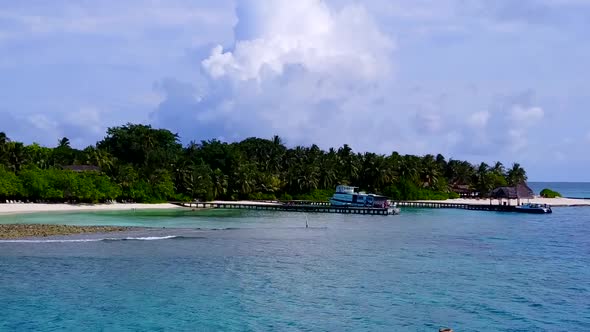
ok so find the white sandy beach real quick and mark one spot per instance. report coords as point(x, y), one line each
point(14, 208)
point(540, 200)
point(248, 202)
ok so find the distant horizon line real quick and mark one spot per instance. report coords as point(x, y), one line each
point(530, 181)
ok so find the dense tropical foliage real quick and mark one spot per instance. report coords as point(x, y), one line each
point(548, 193)
point(143, 164)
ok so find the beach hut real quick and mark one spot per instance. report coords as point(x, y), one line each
point(82, 168)
point(464, 191)
point(518, 192)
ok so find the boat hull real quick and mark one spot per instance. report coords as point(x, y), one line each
point(346, 196)
point(534, 210)
point(394, 210)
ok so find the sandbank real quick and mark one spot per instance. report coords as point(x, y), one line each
point(17, 231)
point(17, 208)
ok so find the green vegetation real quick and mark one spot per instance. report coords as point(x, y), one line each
point(142, 164)
point(548, 193)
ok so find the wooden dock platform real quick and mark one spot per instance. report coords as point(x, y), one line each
point(446, 205)
point(326, 207)
point(312, 207)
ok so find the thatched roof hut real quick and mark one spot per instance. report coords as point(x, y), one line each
point(464, 190)
point(520, 191)
point(82, 168)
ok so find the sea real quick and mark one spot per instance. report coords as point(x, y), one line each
point(231, 270)
point(566, 189)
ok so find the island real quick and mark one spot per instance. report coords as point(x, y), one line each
point(136, 163)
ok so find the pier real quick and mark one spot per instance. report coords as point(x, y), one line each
point(463, 206)
point(293, 206)
point(326, 207)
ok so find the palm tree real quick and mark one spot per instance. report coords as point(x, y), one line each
point(244, 179)
point(308, 179)
point(498, 168)
point(376, 171)
point(429, 171)
point(277, 140)
point(17, 156)
point(100, 158)
point(349, 169)
point(516, 175)
point(441, 161)
point(408, 167)
point(63, 143)
point(327, 172)
point(3, 139)
point(219, 183)
point(459, 172)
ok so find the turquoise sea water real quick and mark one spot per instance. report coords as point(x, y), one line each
point(264, 271)
point(567, 189)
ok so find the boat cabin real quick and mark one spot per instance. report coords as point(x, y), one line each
point(342, 189)
point(350, 196)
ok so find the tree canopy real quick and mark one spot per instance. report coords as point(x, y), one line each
point(143, 164)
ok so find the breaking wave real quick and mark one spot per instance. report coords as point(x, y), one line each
point(145, 238)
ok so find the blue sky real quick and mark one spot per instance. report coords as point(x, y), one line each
point(472, 79)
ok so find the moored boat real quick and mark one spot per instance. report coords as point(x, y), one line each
point(350, 196)
point(534, 208)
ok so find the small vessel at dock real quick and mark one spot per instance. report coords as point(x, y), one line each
point(533, 208)
point(349, 196)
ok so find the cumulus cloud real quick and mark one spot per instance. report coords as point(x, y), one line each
point(305, 33)
point(505, 126)
point(312, 71)
point(428, 123)
point(302, 70)
point(82, 126)
point(478, 119)
point(526, 116)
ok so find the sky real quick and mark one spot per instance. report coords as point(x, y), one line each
point(479, 80)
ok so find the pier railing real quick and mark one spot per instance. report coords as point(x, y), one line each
point(295, 206)
point(326, 207)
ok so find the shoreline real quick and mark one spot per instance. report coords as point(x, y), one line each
point(7, 209)
point(25, 208)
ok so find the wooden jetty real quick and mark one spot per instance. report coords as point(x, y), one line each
point(298, 206)
point(463, 206)
point(326, 207)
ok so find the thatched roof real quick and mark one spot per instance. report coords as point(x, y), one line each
point(462, 189)
point(82, 168)
point(520, 191)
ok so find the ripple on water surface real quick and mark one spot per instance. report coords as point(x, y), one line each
point(265, 271)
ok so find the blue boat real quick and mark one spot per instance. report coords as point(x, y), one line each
point(350, 196)
point(534, 208)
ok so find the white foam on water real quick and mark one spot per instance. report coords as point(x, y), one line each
point(147, 238)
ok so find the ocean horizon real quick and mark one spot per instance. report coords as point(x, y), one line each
point(567, 189)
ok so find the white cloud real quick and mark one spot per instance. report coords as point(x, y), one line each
point(305, 33)
point(109, 17)
point(43, 123)
point(303, 70)
point(429, 123)
point(88, 118)
point(478, 119)
point(526, 116)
